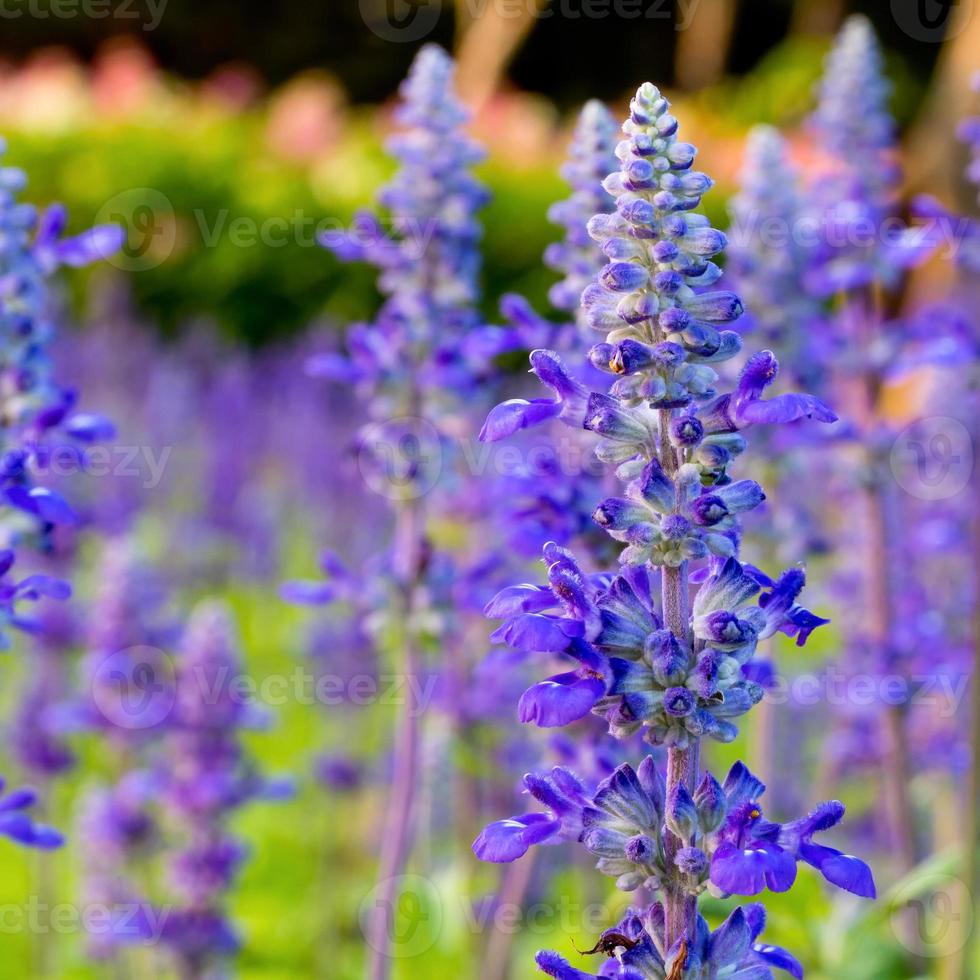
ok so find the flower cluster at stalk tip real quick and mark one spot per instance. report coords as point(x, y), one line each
point(640, 654)
point(428, 333)
point(856, 192)
point(577, 257)
point(767, 259)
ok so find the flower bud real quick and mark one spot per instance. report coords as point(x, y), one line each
point(682, 814)
point(711, 803)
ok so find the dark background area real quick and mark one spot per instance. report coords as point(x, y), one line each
point(568, 58)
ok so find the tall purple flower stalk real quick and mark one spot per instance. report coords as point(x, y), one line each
point(123, 700)
point(856, 191)
point(640, 651)
point(205, 779)
point(552, 499)
point(416, 365)
point(37, 414)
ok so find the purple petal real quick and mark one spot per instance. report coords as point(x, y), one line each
point(51, 225)
point(90, 246)
point(46, 504)
point(19, 827)
point(843, 870)
point(731, 940)
point(18, 799)
point(560, 700)
point(38, 585)
point(779, 958)
point(90, 427)
point(782, 409)
point(747, 871)
point(538, 633)
point(515, 414)
point(508, 840)
point(517, 599)
point(307, 593)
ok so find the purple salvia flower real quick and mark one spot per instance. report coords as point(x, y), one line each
point(207, 777)
point(38, 413)
point(421, 359)
point(857, 189)
point(428, 333)
point(647, 660)
point(590, 158)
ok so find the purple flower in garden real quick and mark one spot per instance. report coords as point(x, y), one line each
point(568, 403)
point(673, 669)
point(29, 589)
point(38, 413)
point(428, 333)
point(853, 202)
point(207, 777)
point(843, 870)
point(753, 853)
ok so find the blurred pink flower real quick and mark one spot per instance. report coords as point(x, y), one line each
point(234, 86)
point(306, 117)
point(124, 78)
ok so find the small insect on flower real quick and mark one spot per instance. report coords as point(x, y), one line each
point(608, 944)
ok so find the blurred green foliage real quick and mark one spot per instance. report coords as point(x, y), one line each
point(221, 225)
point(221, 228)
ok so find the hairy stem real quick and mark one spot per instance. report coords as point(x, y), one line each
point(866, 316)
point(896, 772)
point(682, 764)
point(396, 845)
point(682, 768)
